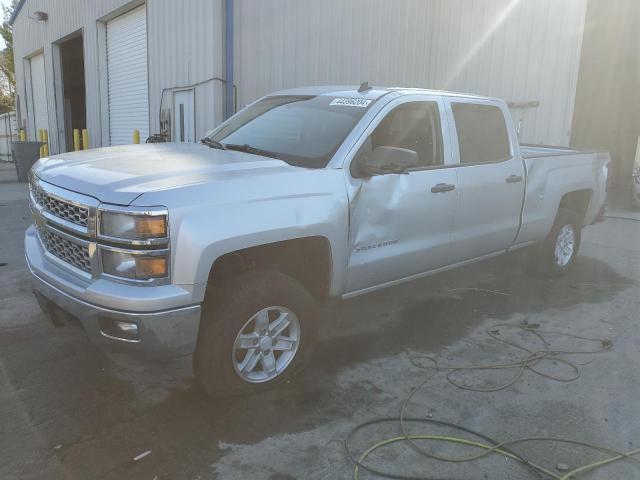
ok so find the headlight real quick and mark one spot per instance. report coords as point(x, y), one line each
point(136, 243)
point(134, 266)
point(132, 225)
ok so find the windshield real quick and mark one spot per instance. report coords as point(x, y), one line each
point(301, 130)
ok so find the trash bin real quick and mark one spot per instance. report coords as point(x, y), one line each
point(25, 154)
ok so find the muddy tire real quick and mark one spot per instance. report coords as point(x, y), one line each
point(557, 254)
point(256, 331)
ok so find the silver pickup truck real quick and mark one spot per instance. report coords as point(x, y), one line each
point(224, 248)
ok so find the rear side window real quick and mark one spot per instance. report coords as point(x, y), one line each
point(482, 133)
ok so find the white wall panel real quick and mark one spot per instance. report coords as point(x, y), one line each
point(65, 18)
point(519, 50)
point(186, 51)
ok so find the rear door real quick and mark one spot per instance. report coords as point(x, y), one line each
point(491, 178)
point(401, 224)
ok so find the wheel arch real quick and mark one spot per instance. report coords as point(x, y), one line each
point(306, 259)
point(577, 201)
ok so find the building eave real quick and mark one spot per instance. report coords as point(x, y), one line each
point(16, 11)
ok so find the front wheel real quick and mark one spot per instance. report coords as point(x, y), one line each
point(558, 252)
point(255, 332)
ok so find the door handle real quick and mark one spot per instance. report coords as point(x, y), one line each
point(442, 187)
point(514, 178)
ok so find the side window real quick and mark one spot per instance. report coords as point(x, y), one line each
point(482, 133)
point(414, 126)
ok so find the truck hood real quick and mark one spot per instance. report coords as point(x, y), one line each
point(119, 175)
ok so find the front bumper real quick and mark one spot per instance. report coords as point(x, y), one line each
point(165, 332)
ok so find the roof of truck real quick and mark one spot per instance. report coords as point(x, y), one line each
point(373, 93)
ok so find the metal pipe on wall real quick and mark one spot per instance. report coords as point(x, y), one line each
point(228, 45)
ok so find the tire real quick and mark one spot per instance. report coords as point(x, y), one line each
point(222, 360)
point(557, 253)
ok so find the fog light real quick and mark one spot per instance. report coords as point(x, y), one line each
point(119, 330)
point(127, 327)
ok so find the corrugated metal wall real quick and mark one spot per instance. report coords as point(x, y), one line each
point(519, 50)
point(184, 50)
point(30, 36)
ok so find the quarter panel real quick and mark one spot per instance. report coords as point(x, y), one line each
point(548, 180)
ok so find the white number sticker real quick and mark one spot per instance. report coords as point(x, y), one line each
point(351, 102)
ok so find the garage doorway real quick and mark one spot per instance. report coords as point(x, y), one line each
point(128, 90)
point(73, 87)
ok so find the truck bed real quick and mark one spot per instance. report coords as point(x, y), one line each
point(552, 172)
point(535, 151)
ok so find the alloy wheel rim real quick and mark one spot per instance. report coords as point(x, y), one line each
point(266, 344)
point(565, 245)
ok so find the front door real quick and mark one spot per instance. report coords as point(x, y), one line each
point(401, 224)
point(491, 179)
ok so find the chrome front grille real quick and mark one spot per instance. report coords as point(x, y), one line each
point(67, 228)
point(70, 212)
point(66, 250)
point(65, 221)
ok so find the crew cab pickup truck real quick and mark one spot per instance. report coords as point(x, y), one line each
point(223, 248)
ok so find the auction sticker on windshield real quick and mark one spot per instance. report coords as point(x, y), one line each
point(351, 102)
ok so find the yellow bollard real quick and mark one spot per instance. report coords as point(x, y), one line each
point(85, 139)
point(22, 135)
point(45, 135)
point(76, 139)
point(136, 136)
point(40, 139)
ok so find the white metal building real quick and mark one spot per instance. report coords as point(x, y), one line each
point(113, 66)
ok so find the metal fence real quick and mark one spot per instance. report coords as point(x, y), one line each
point(8, 133)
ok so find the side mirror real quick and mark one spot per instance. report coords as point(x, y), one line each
point(384, 160)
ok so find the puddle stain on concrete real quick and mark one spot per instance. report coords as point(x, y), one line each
point(89, 409)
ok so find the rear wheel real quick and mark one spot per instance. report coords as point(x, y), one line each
point(558, 252)
point(256, 331)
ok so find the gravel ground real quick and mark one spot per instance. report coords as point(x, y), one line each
point(70, 411)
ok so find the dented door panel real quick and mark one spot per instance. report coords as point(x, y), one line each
point(399, 227)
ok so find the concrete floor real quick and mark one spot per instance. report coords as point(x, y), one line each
point(70, 411)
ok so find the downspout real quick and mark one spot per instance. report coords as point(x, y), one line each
point(228, 43)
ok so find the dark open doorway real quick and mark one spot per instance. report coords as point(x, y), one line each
point(73, 87)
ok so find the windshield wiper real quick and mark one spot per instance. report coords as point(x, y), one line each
point(209, 142)
point(252, 150)
point(246, 148)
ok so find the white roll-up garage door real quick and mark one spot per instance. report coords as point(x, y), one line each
point(38, 95)
point(127, 72)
